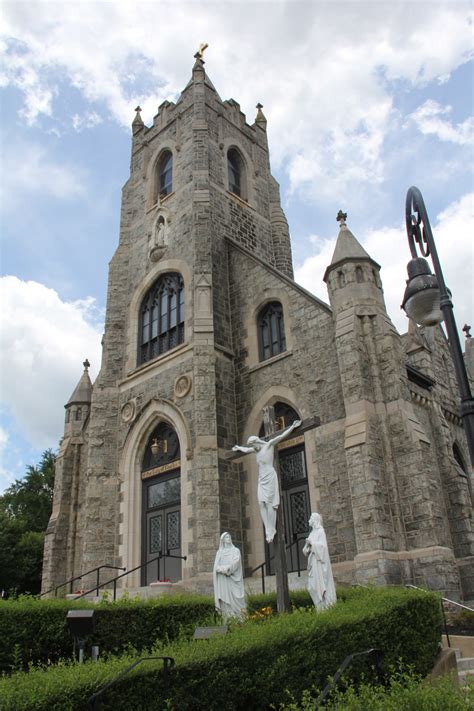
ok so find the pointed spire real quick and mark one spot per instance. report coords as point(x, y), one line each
point(83, 390)
point(260, 118)
point(198, 69)
point(347, 246)
point(137, 123)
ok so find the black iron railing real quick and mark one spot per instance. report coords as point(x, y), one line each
point(71, 581)
point(113, 581)
point(443, 600)
point(92, 701)
point(373, 651)
point(261, 567)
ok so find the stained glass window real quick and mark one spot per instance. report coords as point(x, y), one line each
point(162, 317)
point(271, 330)
point(165, 169)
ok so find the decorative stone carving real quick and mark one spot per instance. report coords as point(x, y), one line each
point(156, 253)
point(320, 580)
point(182, 385)
point(129, 410)
point(268, 490)
point(203, 304)
point(229, 593)
point(158, 238)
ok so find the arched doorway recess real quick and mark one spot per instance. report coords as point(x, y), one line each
point(161, 505)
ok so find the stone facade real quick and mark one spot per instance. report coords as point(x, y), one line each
point(388, 466)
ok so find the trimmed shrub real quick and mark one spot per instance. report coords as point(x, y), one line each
point(404, 691)
point(298, 598)
point(255, 665)
point(35, 630)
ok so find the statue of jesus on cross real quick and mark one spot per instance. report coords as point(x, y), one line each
point(268, 490)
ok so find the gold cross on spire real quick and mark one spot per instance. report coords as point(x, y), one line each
point(203, 46)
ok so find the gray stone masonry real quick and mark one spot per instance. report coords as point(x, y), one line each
point(383, 466)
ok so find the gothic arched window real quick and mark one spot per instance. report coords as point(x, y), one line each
point(236, 173)
point(165, 174)
point(162, 317)
point(271, 330)
point(459, 458)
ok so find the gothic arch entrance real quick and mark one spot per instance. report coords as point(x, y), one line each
point(294, 491)
point(161, 505)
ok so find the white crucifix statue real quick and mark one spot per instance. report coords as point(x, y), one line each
point(268, 490)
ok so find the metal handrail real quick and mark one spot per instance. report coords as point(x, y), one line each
point(348, 660)
point(79, 577)
point(445, 599)
point(441, 600)
point(168, 662)
point(138, 567)
point(265, 562)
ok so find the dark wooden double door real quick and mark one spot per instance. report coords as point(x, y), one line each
point(162, 528)
point(161, 506)
point(296, 508)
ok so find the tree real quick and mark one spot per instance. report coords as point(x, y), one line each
point(25, 508)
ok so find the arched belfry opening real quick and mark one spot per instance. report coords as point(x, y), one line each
point(294, 489)
point(161, 506)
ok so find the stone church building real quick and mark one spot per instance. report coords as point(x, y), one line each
point(205, 327)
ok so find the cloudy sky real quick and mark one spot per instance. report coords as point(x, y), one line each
point(363, 99)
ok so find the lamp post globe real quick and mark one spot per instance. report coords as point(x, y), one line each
point(421, 301)
point(427, 300)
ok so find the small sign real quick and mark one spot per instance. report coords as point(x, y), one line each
point(160, 470)
point(207, 632)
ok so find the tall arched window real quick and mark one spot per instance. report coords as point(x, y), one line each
point(162, 317)
point(236, 173)
point(165, 174)
point(271, 330)
point(459, 458)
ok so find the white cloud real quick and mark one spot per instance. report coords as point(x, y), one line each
point(27, 169)
point(324, 71)
point(87, 120)
point(43, 342)
point(388, 246)
point(429, 118)
point(7, 477)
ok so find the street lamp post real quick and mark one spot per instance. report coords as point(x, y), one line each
point(427, 300)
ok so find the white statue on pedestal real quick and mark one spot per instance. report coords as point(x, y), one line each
point(268, 492)
point(320, 581)
point(229, 593)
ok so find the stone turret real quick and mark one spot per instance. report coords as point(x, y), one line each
point(78, 405)
point(353, 277)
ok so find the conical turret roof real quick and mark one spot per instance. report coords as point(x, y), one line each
point(348, 248)
point(83, 390)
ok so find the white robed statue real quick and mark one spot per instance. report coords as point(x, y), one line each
point(229, 593)
point(320, 581)
point(268, 491)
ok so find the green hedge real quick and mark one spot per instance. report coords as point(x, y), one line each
point(298, 598)
point(404, 691)
point(33, 630)
point(254, 666)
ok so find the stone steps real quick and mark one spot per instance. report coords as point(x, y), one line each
point(465, 670)
point(463, 646)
